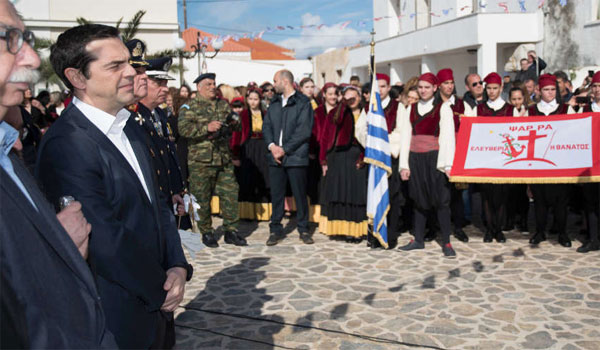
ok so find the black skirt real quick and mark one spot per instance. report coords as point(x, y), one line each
point(345, 187)
point(254, 179)
point(314, 181)
point(427, 186)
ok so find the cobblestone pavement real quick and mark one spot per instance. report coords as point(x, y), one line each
point(337, 295)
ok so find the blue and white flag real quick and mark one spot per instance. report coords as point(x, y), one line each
point(377, 155)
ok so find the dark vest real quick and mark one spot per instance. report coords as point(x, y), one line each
point(427, 124)
point(458, 109)
point(562, 109)
point(483, 110)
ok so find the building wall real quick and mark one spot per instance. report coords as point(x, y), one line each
point(572, 29)
point(328, 66)
point(235, 72)
point(48, 18)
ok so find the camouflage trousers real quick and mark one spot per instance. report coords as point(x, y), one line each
point(207, 181)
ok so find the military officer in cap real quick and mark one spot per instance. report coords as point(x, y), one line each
point(150, 91)
point(154, 122)
point(207, 125)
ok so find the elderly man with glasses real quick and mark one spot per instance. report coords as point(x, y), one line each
point(49, 296)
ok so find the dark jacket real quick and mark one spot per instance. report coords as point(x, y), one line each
point(162, 151)
point(531, 72)
point(134, 240)
point(49, 297)
point(296, 121)
point(470, 99)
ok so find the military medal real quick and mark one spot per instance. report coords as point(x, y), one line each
point(139, 119)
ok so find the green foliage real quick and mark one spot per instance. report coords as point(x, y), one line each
point(82, 21)
point(132, 26)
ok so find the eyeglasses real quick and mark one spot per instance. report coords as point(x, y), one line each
point(269, 90)
point(15, 38)
point(477, 83)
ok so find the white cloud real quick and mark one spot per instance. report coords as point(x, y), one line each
point(314, 40)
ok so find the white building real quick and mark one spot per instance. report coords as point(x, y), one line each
point(159, 29)
point(243, 61)
point(476, 36)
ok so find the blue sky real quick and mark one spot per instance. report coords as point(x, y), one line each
point(238, 16)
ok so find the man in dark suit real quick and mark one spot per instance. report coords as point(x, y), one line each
point(287, 129)
point(95, 154)
point(48, 295)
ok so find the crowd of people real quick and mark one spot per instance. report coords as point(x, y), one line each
point(423, 116)
point(95, 182)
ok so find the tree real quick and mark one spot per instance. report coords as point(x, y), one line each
point(47, 73)
point(129, 31)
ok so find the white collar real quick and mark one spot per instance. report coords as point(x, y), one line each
point(548, 105)
point(426, 104)
point(385, 102)
point(496, 104)
point(595, 107)
point(452, 100)
point(107, 123)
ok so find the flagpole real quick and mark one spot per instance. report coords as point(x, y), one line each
point(372, 60)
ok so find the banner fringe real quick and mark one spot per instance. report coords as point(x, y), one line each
point(526, 180)
point(380, 164)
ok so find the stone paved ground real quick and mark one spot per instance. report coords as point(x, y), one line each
point(335, 295)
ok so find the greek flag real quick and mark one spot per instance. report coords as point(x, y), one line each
point(377, 155)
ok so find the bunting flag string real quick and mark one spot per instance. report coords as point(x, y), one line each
point(504, 6)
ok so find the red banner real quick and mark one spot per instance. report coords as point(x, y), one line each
point(550, 149)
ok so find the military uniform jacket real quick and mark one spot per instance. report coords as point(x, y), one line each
point(203, 147)
point(162, 150)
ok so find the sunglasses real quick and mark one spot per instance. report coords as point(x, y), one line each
point(269, 90)
point(477, 83)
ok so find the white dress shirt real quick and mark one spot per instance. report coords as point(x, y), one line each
point(284, 101)
point(112, 127)
point(424, 107)
point(595, 107)
point(385, 102)
point(496, 104)
point(547, 107)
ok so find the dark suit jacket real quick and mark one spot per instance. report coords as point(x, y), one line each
point(133, 240)
point(49, 297)
point(296, 121)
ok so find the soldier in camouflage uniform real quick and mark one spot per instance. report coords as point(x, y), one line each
point(210, 159)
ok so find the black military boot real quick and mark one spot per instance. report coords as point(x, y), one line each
point(209, 240)
point(232, 237)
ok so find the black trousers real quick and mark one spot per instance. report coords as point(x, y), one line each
point(443, 218)
point(457, 207)
point(279, 177)
point(555, 196)
point(591, 197)
point(494, 198)
point(165, 332)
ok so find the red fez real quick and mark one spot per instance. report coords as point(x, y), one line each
point(385, 77)
point(547, 80)
point(329, 85)
point(430, 78)
point(445, 75)
point(493, 78)
point(239, 98)
point(596, 78)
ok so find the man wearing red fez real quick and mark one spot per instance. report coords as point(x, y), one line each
point(426, 131)
point(459, 108)
point(494, 195)
point(391, 110)
point(591, 190)
point(550, 195)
